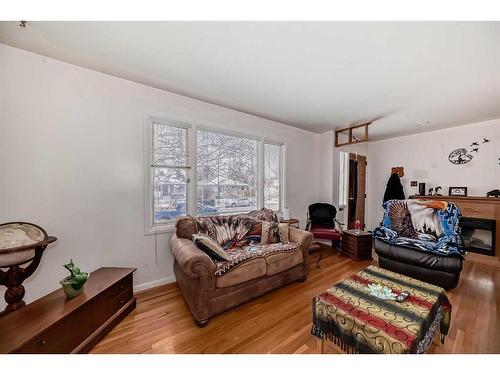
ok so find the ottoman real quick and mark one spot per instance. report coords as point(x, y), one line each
point(359, 322)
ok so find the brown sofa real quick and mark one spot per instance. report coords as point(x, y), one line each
point(208, 293)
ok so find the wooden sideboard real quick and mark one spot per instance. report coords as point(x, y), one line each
point(57, 324)
point(475, 207)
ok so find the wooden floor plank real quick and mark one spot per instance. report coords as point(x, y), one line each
point(280, 321)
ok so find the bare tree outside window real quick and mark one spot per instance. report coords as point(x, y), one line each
point(228, 178)
point(272, 176)
point(227, 173)
point(169, 163)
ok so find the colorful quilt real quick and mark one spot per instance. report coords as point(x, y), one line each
point(431, 226)
point(359, 322)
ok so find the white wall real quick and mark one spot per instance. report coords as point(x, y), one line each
point(328, 167)
point(71, 143)
point(425, 159)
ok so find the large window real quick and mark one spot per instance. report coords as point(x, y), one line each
point(231, 173)
point(227, 173)
point(169, 171)
point(272, 176)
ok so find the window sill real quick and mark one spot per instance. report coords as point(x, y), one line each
point(160, 229)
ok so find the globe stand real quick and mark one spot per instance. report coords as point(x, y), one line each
point(14, 277)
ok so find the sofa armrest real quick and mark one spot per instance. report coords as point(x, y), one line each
point(191, 260)
point(301, 237)
point(304, 239)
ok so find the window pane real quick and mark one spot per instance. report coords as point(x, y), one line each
point(169, 145)
point(169, 194)
point(227, 173)
point(272, 176)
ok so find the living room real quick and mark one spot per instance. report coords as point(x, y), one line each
point(239, 187)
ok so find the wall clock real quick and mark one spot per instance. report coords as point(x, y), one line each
point(460, 156)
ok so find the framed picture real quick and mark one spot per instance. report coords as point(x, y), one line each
point(458, 191)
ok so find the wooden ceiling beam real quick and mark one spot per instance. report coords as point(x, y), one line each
point(351, 138)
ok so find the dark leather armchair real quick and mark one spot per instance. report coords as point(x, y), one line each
point(321, 222)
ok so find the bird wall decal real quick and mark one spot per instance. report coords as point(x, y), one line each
point(475, 150)
point(485, 140)
point(474, 144)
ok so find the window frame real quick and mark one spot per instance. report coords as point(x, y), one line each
point(192, 128)
point(149, 225)
point(282, 194)
point(229, 133)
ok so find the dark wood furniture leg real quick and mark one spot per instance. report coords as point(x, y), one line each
point(316, 248)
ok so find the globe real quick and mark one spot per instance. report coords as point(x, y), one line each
point(20, 243)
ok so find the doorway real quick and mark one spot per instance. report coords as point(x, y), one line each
point(356, 190)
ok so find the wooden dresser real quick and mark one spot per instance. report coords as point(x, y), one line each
point(475, 207)
point(57, 324)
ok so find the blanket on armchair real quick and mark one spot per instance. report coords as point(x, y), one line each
point(431, 226)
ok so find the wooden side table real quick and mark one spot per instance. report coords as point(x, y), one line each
point(292, 222)
point(356, 246)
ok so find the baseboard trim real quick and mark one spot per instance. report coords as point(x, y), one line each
point(154, 284)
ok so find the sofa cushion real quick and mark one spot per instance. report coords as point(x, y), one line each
point(283, 261)
point(248, 270)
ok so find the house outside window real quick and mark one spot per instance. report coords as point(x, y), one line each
point(193, 170)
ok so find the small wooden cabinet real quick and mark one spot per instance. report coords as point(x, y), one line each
point(57, 324)
point(356, 246)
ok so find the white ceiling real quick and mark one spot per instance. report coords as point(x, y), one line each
point(313, 75)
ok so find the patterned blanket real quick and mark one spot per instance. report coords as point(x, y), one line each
point(361, 323)
point(238, 255)
point(239, 236)
point(431, 226)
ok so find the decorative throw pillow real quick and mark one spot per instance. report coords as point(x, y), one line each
point(270, 232)
point(210, 247)
point(283, 229)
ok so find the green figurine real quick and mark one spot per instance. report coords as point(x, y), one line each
point(73, 284)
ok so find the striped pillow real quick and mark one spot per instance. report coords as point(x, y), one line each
point(210, 247)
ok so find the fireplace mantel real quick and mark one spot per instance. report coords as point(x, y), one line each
point(474, 207)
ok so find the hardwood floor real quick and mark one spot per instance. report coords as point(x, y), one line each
point(280, 321)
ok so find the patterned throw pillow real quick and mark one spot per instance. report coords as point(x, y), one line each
point(210, 247)
point(283, 229)
point(273, 232)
